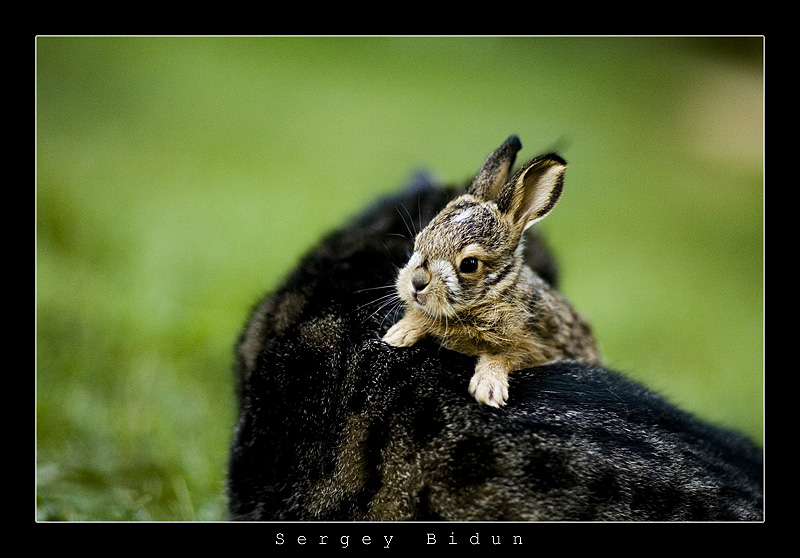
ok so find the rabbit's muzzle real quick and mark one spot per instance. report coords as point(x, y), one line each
point(420, 280)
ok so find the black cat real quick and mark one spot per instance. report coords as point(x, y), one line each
point(335, 424)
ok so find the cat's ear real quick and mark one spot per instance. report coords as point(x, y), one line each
point(533, 191)
point(495, 170)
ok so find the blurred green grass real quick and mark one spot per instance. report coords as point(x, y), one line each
point(178, 179)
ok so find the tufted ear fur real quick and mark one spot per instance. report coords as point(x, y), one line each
point(495, 170)
point(533, 191)
point(530, 194)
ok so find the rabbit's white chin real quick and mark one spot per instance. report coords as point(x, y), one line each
point(434, 311)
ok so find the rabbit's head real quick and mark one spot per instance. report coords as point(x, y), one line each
point(471, 252)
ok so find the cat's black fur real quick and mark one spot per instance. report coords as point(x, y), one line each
point(337, 425)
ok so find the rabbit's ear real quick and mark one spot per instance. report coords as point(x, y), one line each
point(533, 191)
point(495, 170)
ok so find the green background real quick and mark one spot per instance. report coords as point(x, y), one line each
point(180, 178)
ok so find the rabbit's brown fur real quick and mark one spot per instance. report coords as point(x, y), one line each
point(466, 284)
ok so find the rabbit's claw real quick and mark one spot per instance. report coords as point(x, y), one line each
point(489, 383)
point(403, 334)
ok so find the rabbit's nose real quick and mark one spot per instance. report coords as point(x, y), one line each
point(420, 279)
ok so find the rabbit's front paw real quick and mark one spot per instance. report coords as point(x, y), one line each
point(489, 383)
point(403, 334)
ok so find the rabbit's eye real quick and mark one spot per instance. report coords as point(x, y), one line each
point(468, 265)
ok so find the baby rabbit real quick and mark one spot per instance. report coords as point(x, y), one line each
point(466, 284)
